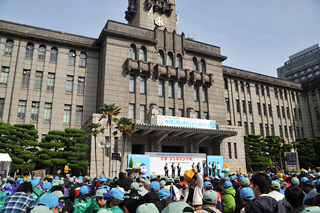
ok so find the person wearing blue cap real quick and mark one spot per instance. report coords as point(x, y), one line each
point(36, 191)
point(305, 185)
point(246, 195)
point(83, 201)
point(228, 197)
point(207, 185)
point(235, 185)
point(46, 187)
point(47, 203)
point(3, 198)
point(165, 199)
point(115, 200)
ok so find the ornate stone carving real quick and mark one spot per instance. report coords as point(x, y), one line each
point(160, 6)
point(132, 10)
point(153, 110)
point(191, 113)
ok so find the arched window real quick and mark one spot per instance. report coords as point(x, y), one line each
point(179, 61)
point(143, 54)
point(42, 53)
point(160, 57)
point(72, 56)
point(133, 51)
point(9, 47)
point(169, 59)
point(194, 63)
point(202, 66)
point(53, 54)
point(29, 51)
point(83, 60)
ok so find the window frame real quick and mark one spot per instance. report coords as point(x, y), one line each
point(67, 113)
point(47, 112)
point(25, 78)
point(83, 60)
point(53, 55)
point(72, 58)
point(9, 47)
point(29, 50)
point(38, 80)
point(42, 53)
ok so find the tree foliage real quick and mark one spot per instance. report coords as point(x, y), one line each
point(19, 141)
point(308, 151)
point(256, 158)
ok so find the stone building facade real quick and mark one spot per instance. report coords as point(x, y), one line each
point(57, 80)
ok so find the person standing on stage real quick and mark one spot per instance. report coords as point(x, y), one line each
point(213, 169)
point(179, 169)
point(173, 167)
point(218, 167)
point(192, 166)
point(166, 170)
point(205, 168)
point(210, 169)
point(198, 167)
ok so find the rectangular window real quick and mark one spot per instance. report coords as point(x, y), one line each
point(25, 78)
point(236, 85)
point(286, 132)
point(227, 104)
point(288, 112)
point(161, 110)
point(280, 130)
point(1, 108)
point(197, 114)
point(314, 96)
point(229, 122)
point(259, 108)
point(171, 112)
point(67, 113)
point(285, 94)
point(180, 112)
point(262, 90)
point(225, 83)
point(267, 130)
point(142, 114)
point(196, 92)
point(280, 93)
point(241, 86)
point(239, 123)
point(295, 113)
point(116, 142)
point(79, 113)
point(244, 108)
point(248, 88)
point(302, 132)
point(180, 90)
point(50, 83)
point(47, 112)
point(265, 110)
point(300, 116)
point(252, 128)
point(235, 151)
point(272, 129)
point(205, 115)
point(268, 91)
point(278, 111)
point(246, 130)
point(270, 110)
point(230, 151)
point(38, 80)
point(69, 86)
point(276, 92)
point(4, 76)
point(316, 110)
point(170, 89)
point(22, 109)
point(298, 100)
point(250, 107)
point(283, 112)
point(132, 112)
point(261, 129)
point(161, 87)
point(81, 81)
point(142, 85)
point(35, 111)
point(257, 89)
point(132, 81)
point(298, 132)
point(204, 94)
point(290, 131)
point(238, 105)
point(292, 94)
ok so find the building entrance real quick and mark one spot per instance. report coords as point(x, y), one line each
point(173, 149)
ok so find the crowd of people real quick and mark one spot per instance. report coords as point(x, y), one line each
point(193, 192)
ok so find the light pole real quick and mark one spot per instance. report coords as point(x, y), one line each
point(108, 144)
point(103, 146)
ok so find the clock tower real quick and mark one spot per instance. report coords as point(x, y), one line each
point(151, 13)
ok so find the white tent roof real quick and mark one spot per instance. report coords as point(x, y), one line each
point(5, 157)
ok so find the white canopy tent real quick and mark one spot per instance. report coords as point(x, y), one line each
point(5, 162)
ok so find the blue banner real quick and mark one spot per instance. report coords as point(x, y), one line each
point(142, 162)
point(214, 160)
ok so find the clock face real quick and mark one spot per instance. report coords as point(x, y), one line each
point(159, 22)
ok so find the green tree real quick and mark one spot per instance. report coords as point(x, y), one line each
point(254, 150)
point(306, 151)
point(108, 112)
point(126, 127)
point(19, 141)
point(94, 129)
point(131, 163)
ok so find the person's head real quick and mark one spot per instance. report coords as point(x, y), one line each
point(25, 187)
point(102, 200)
point(50, 200)
point(130, 174)
point(207, 185)
point(245, 182)
point(246, 195)
point(219, 187)
point(163, 194)
point(261, 184)
point(193, 181)
point(116, 197)
point(172, 163)
point(210, 198)
point(275, 186)
point(294, 196)
point(294, 181)
point(61, 197)
point(155, 186)
point(135, 186)
point(147, 208)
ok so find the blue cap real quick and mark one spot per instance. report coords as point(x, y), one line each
point(227, 184)
point(67, 175)
point(89, 188)
point(34, 177)
point(250, 178)
point(232, 178)
point(50, 200)
point(240, 177)
point(7, 185)
point(56, 178)
point(80, 178)
point(103, 179)
point(106, 195)
point(74, 177)
point(116, 194)
point(34, 182)
point(164, 194)
point(247, 193)
point(47, 185)
point(304, 180)
point(105, 187)
point(61, 204)
point(84, 190)
point(154, 186)
point(110, 178)
point(6, 194)
point(11, 178)
point(207, 184)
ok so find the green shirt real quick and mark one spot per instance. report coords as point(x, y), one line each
point(36, 196)
point(2, 200)
point(116, 209)
point(94, 207)
point(81, 207)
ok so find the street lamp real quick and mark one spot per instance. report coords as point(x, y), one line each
point(102, 145)
point(108, 144)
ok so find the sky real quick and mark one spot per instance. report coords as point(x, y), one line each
point(255, 35)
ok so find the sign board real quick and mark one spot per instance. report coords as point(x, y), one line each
point(142, 162)
point(161, 120)
point(159, 159)
point(215, 159)
point(116, 156)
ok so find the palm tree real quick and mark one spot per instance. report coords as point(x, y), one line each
point(127, 127)
point(94, 129)
point(108, 112)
